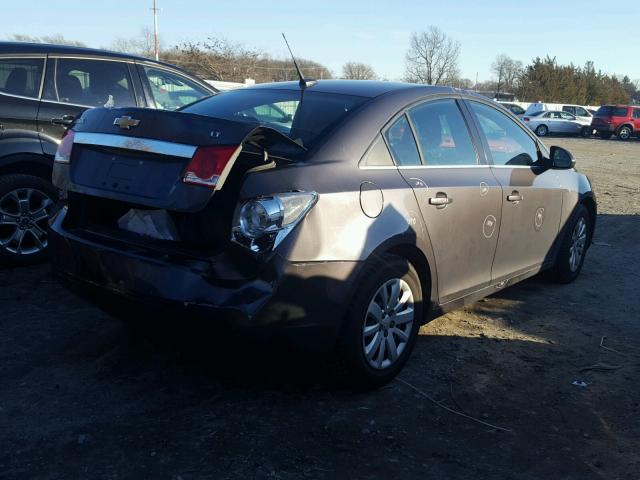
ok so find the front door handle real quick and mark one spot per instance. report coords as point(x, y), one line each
point(66, 120)
point(514, 197)
point(440, 200)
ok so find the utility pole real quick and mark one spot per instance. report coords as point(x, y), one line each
point(155, 31)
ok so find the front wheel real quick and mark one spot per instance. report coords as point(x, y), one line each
point(382, 324)
point(25, 205)
point(574, 247)
point(542, 131)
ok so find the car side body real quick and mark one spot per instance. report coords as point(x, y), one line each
point(469, 209)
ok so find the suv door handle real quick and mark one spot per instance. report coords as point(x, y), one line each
point(66, 120)
point(440, 200)
point(514, 197)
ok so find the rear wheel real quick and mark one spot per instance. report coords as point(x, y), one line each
point(574, 247)
point(624, 133)
point(25, 205)
point(382, 324)
point(542, 131)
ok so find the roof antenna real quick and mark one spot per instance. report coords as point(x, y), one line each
point(303, 82)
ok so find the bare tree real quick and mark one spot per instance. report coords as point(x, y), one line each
point(55, 39)
point(140, 45)
point(358, 71)
point(432, 57)
point(508, 71)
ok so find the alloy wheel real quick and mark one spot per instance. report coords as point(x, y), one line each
point(388, 324)
point(578, 244)
point(24, 213)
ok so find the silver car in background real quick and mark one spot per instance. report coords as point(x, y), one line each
point(544, 123)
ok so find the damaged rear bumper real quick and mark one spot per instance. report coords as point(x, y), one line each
point(306, 300)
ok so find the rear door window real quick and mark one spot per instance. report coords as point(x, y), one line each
point(508, 143)
point(171, 90)
point(567, 116)
point(402, 144)
point(636, 113)
point(94, 83)
point(21, 77)
point(442, 133)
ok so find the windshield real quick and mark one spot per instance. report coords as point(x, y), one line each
point(611, 111)
point(306, 118)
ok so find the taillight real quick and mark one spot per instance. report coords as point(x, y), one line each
point(63, 154)
point(210, 165)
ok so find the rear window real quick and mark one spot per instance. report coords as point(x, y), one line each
point(306, 118)
point(611, 111)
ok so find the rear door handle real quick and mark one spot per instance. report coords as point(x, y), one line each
point(514, 197)
point(66, 120)
point(440, 200)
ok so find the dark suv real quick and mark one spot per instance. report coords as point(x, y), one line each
point(621, 120)
point(42, 89)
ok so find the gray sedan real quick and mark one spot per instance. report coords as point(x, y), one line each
point(376, 207)
point(547, 122)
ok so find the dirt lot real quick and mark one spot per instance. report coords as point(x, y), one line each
point(82, 396)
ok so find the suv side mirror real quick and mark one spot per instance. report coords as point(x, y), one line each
point(561, 158)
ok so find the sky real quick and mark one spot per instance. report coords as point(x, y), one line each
point(371, 31)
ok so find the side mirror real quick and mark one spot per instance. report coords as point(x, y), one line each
point(561, 158)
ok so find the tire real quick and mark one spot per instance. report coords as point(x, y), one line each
point(567, 267)
point(25, 206)
point(586, 132)
point(624, 133)
point(384, 274)
point(605, 135)
point(542, 130)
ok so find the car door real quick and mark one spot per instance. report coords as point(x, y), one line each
point(169, 90)
point(20, 85)
point(459, 198)
point(635, 117)
point(570, 124)
point(74, 84)
point(531, 194)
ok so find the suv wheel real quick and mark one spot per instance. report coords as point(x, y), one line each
point(382, 324)
point(25, 205)
point(574, 247)
point(624, 133)
point(542, 131)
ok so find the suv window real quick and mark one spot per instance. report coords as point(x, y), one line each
point(581, 112)
point(93, 83)
point(636, 113)
point(508, 143)
point(611, 111)
point(21, 76)
point(569, 109)
point(170, 90)
point(443, 134)
point(402, 144)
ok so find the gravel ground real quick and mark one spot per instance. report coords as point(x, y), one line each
point(82, 396)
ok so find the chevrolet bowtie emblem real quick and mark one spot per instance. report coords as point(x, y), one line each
point(126, 122)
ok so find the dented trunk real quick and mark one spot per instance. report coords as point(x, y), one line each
point(118, 166)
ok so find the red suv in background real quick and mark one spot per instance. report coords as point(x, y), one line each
point(621, 120)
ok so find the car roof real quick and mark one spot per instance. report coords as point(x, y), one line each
point(363, 88)
point(21, 48)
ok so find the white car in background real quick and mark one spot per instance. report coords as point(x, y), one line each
point(544, 123)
